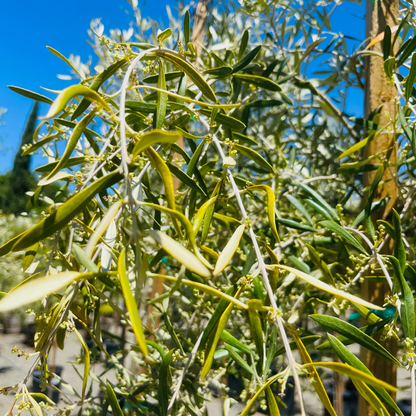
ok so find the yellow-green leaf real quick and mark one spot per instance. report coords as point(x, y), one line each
point(271, 206)
point(86, 363)
point(59, 55)
point(254, 156)
point(180, 253)
point(353, 373)
point(131, 303)
point(229, 250)
point(259, 81)
point(30, 256)
point(371, 397)
point(314, 376)
point(99, 231)
point(71, 92)
point(325, 287)
point(153, 137)
point(204, 288)
point(36, 289)
point(271, 402)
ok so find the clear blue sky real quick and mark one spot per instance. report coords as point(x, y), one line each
point(27, 26)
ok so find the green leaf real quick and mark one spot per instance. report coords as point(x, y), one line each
point(159, 164)
point(411, 78)
point(229, 250)
point(36, 289)
point(162, 99)
point(387, 42)
point(186, 27)
point(219, 310)
point(96, 84)
point(294, 224)
point(309, 339)
point(30, 256)
point(215, 337)
point(219, 72)
point(253, 155)
point(60, 56)
point(255, 327)
point(131, 303)
point(84, 260)
point(408, 49)
point(165, 380)
point(186, 179)
point(87, 360)
point(300, 207)
point(271, 403)
point(258, 81)
point(349, 358)
point(355, 147)
point(319, 199)
point(30, 94)
point(61, 217)
point(344, 234)
point(72, 143)
point(189, 70)
point(180, 253)
point(353, 373)
point(112, 398)
point(314, 376)
point(353, 333)
point(161, 36)
point(202, 287)
point(318, 262)
point(199, 217)
point(325, 287)
point(271, 206)
point(407, 307)
point(153, 137)
point(234, 342)
point(68, 93)
point(226, 121)
point(73, 161)
point(242, 63)
point(236, 357)
point(243, 45)
point(374, 207)
point(367, 209)
point(370, 396)
point(399, 250)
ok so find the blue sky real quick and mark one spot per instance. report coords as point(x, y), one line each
point(27, 26)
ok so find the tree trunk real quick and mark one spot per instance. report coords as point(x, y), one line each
point(378, 91)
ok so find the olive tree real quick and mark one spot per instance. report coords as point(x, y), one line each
point(220, 175)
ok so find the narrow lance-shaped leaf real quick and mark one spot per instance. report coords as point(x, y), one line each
point(271, 207)
point(165, 380)
point(159, 164)
point(353, 333)
point(199, 217)
point(353, 373)
point(327, 288)
point(112, 398)
point(229, 250)
point(30, 256)
point(255, 328)
point(102, 227)
point(180, 253)
point(271, 403)
point(30, 94)
point(71, 92)
point(239, 360)
point(399, 250)
point(337, 229)
point(186, 27)
point(76, 134)
point(131, 303)
point(243, 45)
point(203, 288)
point(349, 358)
point(377, 178)
point(253, 155)
point(189, 70)
point(37, 289)
point(242, 63)
point(407, 307)
point(60, 56)
point(153, 137)
point(215, 337)
point(86, 363)
point(258, 81)
point(370, 396)
point(300, 207)
point(162, 98)
point(411, 79)
point(314, 376)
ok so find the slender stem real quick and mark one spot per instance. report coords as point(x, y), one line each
point(262, 268)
